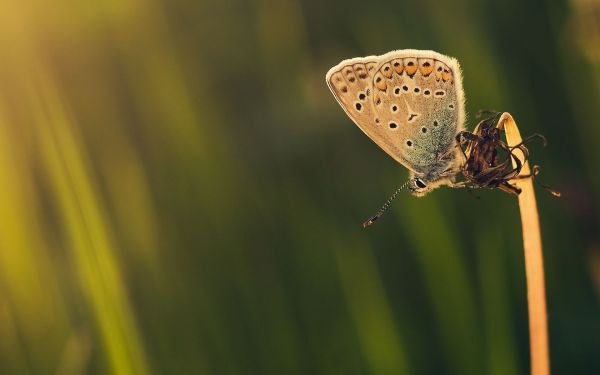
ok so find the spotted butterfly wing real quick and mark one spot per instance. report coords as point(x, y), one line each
point(351, 82)
point(409, 102)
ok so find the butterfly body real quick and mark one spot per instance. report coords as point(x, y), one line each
point(411, 104)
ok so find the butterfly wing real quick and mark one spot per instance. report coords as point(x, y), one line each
point(351, 83)
point(415, 106)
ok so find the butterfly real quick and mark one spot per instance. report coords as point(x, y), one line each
point(411, 104)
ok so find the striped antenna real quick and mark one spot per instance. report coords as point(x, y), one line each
point(384, 207)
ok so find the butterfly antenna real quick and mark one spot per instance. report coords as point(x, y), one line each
point(384, 207)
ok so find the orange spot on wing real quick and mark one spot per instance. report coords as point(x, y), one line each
point(439, 70)
point(411, 66)
point(381, 85)
point(380, 82)
point(387, 70)
point(398, 66)
point(426, 66)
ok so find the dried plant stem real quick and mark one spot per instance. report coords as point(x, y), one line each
point(534, 263)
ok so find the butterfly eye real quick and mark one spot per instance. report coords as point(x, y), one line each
point(420, 184)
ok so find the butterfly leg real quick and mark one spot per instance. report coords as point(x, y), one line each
point(464, 184)
point(458, 185)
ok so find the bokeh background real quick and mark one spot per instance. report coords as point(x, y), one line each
point(181, 194)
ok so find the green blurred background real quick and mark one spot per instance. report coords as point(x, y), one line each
point(181, 194)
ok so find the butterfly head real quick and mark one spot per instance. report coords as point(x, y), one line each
point(422, 184)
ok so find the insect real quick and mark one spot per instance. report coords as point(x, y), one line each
point(411, 104)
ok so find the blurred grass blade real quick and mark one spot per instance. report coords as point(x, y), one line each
point(365, 295)
point(86, 229)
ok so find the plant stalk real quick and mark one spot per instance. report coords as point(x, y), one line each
point(534, 262)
